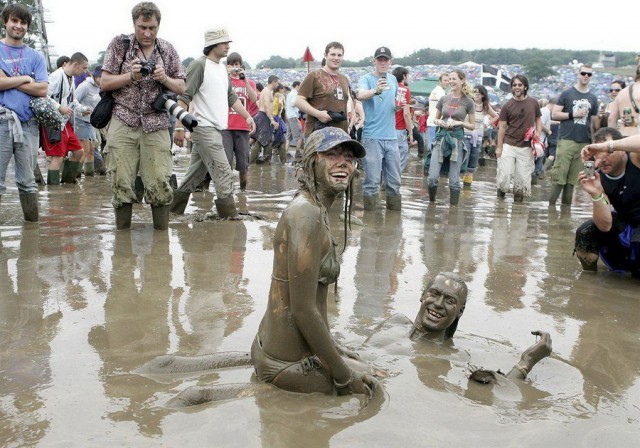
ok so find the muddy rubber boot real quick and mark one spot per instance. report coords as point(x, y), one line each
point(99, 166)
point(589, 261)
point(518, 196)
point(370, 202)
point(173, 182)
point(53, 177)
point(467, 180)
point(123, 216)
point(29, 203)
point(88, 169)
point(554, 194)
point(567, 194)
point(243, 181)
point(433, 192)
point(38, 175)
point(394, 202)
point(180, 201)
point(454, 197)
point(501, 194)
point(534, 179)
point(69, 172)
point(138, 189)
point(160, 215)
point(226, 207)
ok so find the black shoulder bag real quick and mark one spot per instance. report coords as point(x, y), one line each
point(101, 114)
point(54, 133)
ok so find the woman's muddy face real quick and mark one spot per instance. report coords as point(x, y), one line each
point(334, 168)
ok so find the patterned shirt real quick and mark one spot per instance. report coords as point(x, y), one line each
point(133, 102)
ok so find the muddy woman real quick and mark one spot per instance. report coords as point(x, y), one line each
point(294, 349)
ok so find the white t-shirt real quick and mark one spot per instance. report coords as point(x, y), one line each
point(210, 104)
point(435, 96)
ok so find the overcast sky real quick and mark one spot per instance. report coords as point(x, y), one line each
point(284, 27)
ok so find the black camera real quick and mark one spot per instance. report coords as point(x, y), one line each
point(166, 101)
point(148, 67)
point(242, 76)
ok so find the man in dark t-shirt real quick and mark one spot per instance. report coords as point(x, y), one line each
point(519, 122)
point(613, 236)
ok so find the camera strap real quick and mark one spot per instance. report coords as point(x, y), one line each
point(126, 43)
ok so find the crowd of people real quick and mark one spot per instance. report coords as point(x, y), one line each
point(335, 122)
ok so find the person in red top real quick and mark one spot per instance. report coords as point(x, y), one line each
point(236, 137)
point(404, 123)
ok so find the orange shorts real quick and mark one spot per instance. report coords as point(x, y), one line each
point(68, 142)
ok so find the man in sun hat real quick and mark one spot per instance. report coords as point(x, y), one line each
point(210, 94)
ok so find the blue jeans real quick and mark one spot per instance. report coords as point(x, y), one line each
point(403, 148)
point(431, 136)
point(24, 154)
point(382, 157)
point(454, 167)
point(474, 154)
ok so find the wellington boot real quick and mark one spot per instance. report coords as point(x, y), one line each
point(567, 194)
point(370, 202)
point(589, 261)
point(99, 166)
point(394, 202)
point(138, 189)
point(38, 175)
point(454, 197)
point(123, 216)
point(243, 181)
point(180, 201)
point(501, 194)
point(554, 194)
point(467, 179)
point(89, 171)
point(518, 196)
point(53, 177)
point(29, 203)
point(433, 192)
point(160, 216)
point(173, 182)
point(226, 207)
point(69, 172)
point(534, 179)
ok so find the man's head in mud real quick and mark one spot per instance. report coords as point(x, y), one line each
point(442, 305)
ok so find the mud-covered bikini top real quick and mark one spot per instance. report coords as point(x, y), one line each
point(329, 267)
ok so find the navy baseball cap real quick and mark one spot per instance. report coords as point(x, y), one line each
point(327, 138)
point(382, 52)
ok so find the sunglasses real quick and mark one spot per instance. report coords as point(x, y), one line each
point(589, 74)
point(614, 90)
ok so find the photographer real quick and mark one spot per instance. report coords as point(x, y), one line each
point(210, 94)
point(138, 134)
point(614, 235)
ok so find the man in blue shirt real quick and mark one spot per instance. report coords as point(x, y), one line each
point(22, 75)
point(378, 92)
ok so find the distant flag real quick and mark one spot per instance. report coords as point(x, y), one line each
point(308, 58)
point(493, 77)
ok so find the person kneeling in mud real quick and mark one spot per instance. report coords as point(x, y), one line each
point(294, 349)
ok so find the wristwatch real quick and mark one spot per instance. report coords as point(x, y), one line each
point(611, 147)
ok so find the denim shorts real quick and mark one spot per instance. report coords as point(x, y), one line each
point(84, 130)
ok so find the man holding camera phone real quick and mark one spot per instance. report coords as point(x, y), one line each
point(612, 235)
point(137, 69)
point(324, 93)
point(209, 92)
point(378, 93)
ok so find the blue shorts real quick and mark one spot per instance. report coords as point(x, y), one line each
point(84, 130)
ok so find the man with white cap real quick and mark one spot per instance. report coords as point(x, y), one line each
point(209, 95)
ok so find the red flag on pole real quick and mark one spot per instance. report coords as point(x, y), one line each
point(307, 58)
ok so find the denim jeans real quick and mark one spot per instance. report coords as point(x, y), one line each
point(454, 167)
point(474, 154)
point(24, 154)
point(382, 157)
point(403, 148)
